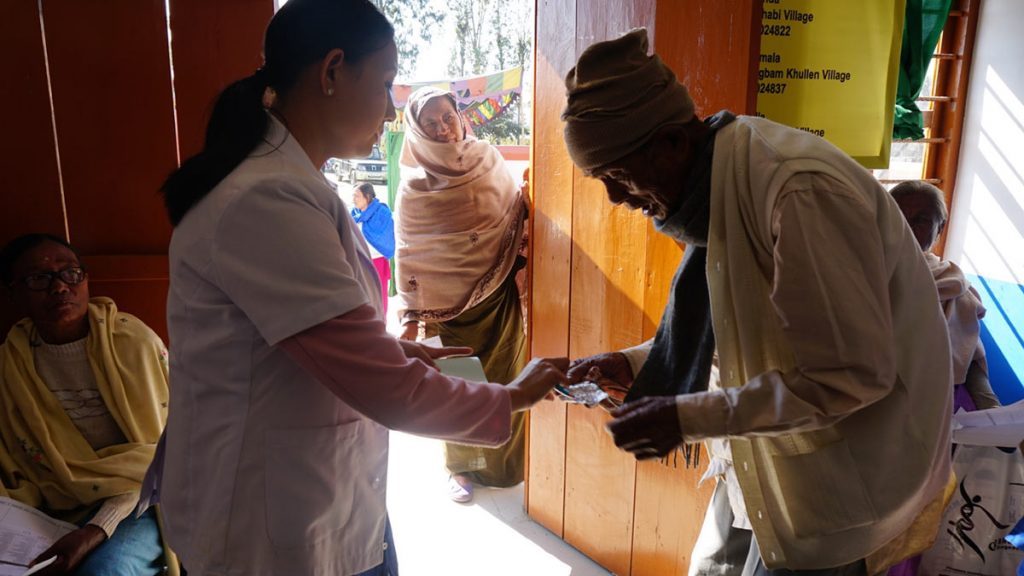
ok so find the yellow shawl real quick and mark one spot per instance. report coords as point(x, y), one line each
point(45, 462)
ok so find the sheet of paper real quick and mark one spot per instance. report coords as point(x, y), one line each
point(433, 342)
point(468, 367)
point(40, 567)
point(1003, 426)
point(11, 570)
point(26, 532)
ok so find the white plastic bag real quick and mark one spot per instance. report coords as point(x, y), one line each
point(987, 504)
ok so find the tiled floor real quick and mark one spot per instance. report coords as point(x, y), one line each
point(491, 536)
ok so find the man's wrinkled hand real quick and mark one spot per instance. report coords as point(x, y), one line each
point(428, 353)
point(610, 366)
point(71, 550)
point(647, 428)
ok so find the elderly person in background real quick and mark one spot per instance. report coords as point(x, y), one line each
point(83, 399)
point(829, 437)
point(460, 223)
point(924, 208)
point(375, 222)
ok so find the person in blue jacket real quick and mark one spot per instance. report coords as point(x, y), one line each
point(378, 227)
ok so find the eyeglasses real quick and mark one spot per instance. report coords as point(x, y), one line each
point(72, 275)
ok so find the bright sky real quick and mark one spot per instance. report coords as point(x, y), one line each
point(435, 56)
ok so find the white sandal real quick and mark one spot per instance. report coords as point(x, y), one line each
point(459, 492)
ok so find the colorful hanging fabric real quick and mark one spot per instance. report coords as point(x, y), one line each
point(481, 99)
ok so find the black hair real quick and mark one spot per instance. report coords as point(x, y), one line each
point(301, 33)
point(15, 249)
point(934, 194)
point(366, 189)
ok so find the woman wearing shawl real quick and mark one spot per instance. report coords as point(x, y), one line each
point(925, 210)
point(374, 220)
point(83, 399)
point(460, 224)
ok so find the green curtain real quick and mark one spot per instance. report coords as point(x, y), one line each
point(393, 150)
point(921, 29)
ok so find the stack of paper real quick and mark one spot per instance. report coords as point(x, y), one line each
point(24, 534)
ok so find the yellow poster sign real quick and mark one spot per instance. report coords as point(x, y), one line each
point(830, 67)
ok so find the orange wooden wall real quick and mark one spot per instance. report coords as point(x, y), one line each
point(601, 277)
point(96, 130)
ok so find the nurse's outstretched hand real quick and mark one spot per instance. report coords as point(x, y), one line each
point(429, 353)
point(535, 382)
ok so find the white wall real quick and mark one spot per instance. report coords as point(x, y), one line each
point(986, 234)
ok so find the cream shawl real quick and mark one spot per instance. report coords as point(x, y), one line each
point(963, 309)
point(460, 221)
point(45, 462)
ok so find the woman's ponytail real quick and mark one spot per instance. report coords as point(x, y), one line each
point(237, 124)
point(301, 33)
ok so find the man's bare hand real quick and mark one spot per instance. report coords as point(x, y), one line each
point(610, 365)
point(647, 428)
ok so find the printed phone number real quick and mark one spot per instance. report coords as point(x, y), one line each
point(775, 30)
point(771, 88)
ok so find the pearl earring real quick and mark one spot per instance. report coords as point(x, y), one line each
point(330, 91)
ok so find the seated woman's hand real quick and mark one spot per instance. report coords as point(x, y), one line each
point(428, 353)
point(535, 382)
point(71, 550)
point(610, 366)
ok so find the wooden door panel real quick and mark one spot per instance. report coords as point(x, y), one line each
point(631, 518)
point(598, 491)
point(606, 313)
point(669, 511)
point(713, 47)
point(232, 30)
point(551, 253)
point(138, 284)
point(111, 84)
point(29, 180)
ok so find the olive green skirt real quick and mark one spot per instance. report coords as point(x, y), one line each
point(495, 330)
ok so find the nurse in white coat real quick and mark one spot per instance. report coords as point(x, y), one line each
point(283, 379)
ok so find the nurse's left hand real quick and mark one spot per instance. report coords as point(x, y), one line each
point(428, 353)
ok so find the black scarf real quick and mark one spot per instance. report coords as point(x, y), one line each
point(680, 360)
point(684, 346)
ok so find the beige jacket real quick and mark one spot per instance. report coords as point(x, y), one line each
point(835, 373)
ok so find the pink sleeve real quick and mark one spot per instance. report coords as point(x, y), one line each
point(362, 364)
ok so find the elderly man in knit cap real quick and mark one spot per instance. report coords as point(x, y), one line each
point(828, 416)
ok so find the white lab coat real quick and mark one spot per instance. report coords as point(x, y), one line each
point(266, 471)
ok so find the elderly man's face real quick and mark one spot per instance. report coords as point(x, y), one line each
point(925, 222)
point(650, 179)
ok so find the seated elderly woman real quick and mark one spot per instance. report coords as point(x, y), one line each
point(924, 208)
point(83, 399)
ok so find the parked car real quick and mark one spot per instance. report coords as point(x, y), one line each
point(333, 166)
point(373, 168)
